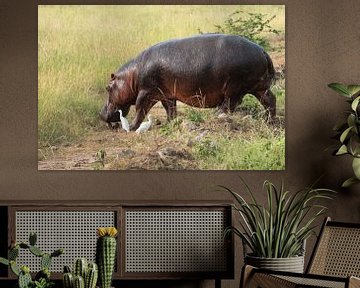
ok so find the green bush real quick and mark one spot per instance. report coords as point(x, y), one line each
point(252, 26)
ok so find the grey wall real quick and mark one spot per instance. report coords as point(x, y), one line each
point(322, 46)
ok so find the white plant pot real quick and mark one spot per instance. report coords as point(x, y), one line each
point(291, 264)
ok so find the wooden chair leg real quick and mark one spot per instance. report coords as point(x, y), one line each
point(354, 282)
point(217, 283)
point(251, 279)
point(246, 273)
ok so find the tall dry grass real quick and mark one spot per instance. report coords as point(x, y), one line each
point(79, 46)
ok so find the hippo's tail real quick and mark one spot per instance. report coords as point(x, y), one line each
point(271, 70)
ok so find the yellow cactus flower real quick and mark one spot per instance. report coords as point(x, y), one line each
point(106, 231)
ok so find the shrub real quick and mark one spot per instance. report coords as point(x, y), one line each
point(249, 25)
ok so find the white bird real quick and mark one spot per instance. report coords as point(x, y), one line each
point(124, 122)
point(144, 126)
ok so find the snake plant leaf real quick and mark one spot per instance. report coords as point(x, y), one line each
point(356, 167)
point(342, 150)
point(341, 89)
point(349, 182)
point(279, 228)
point(355, 103)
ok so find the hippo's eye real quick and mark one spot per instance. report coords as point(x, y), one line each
point(108, 88)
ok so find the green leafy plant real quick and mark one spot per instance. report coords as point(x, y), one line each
point(279, 229)
point(43, 283)
point(250, 25)
point(42, 278)
point(348, 132)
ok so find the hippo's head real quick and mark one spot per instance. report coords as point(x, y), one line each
point(120, 97)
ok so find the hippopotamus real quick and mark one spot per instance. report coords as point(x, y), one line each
point(207, 71)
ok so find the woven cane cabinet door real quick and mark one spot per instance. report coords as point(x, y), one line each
point(73, 229)
point(171, 242)
point(155, 241)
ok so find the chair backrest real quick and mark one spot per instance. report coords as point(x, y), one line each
point(337, 251)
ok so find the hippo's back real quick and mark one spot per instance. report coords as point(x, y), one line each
point(203, 54)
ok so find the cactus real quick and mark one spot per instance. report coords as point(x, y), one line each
point(79, 282)
point(67, 269)
point(57, 252)
point(89, 272)
point(45, 261)
point(13, 253)
point(36, 251)
point(24, 277)
point(23, 273)
point(24, 246)
point(68, 280)
point(80, 267)
point(105, 254)
point(91, 276)
point(32, 239)
point(44, 273)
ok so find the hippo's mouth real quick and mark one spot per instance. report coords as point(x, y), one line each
point(114, 117)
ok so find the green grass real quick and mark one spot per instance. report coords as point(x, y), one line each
point(79, 46)
point(259, 154)
point(262, 149)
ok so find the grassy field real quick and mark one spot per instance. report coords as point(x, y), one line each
point(79, 46)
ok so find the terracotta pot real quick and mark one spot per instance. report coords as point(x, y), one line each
point(291, 264)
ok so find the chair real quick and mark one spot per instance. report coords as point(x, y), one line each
point(335, 262)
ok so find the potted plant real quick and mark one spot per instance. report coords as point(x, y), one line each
point(84, 274)
point(42, 278)
point(106, 254)
point(276, 233)
point(348, 132)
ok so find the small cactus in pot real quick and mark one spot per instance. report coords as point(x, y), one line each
point(85, 275)
point(106, 254)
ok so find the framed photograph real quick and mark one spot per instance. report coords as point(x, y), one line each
point(161, 87)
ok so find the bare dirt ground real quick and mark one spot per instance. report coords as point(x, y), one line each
point(105, 149)
point(118, 150)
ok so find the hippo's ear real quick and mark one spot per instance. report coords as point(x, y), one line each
point(112, 76)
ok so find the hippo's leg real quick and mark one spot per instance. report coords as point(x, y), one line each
point(235, 101)
point(268, 100)
point(144, 102)
point(231, 102)
point(170, 107)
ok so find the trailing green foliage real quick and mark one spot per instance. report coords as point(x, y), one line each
point(349, 131)
point(279, 229)
point(252, 26)
point(42, 278)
